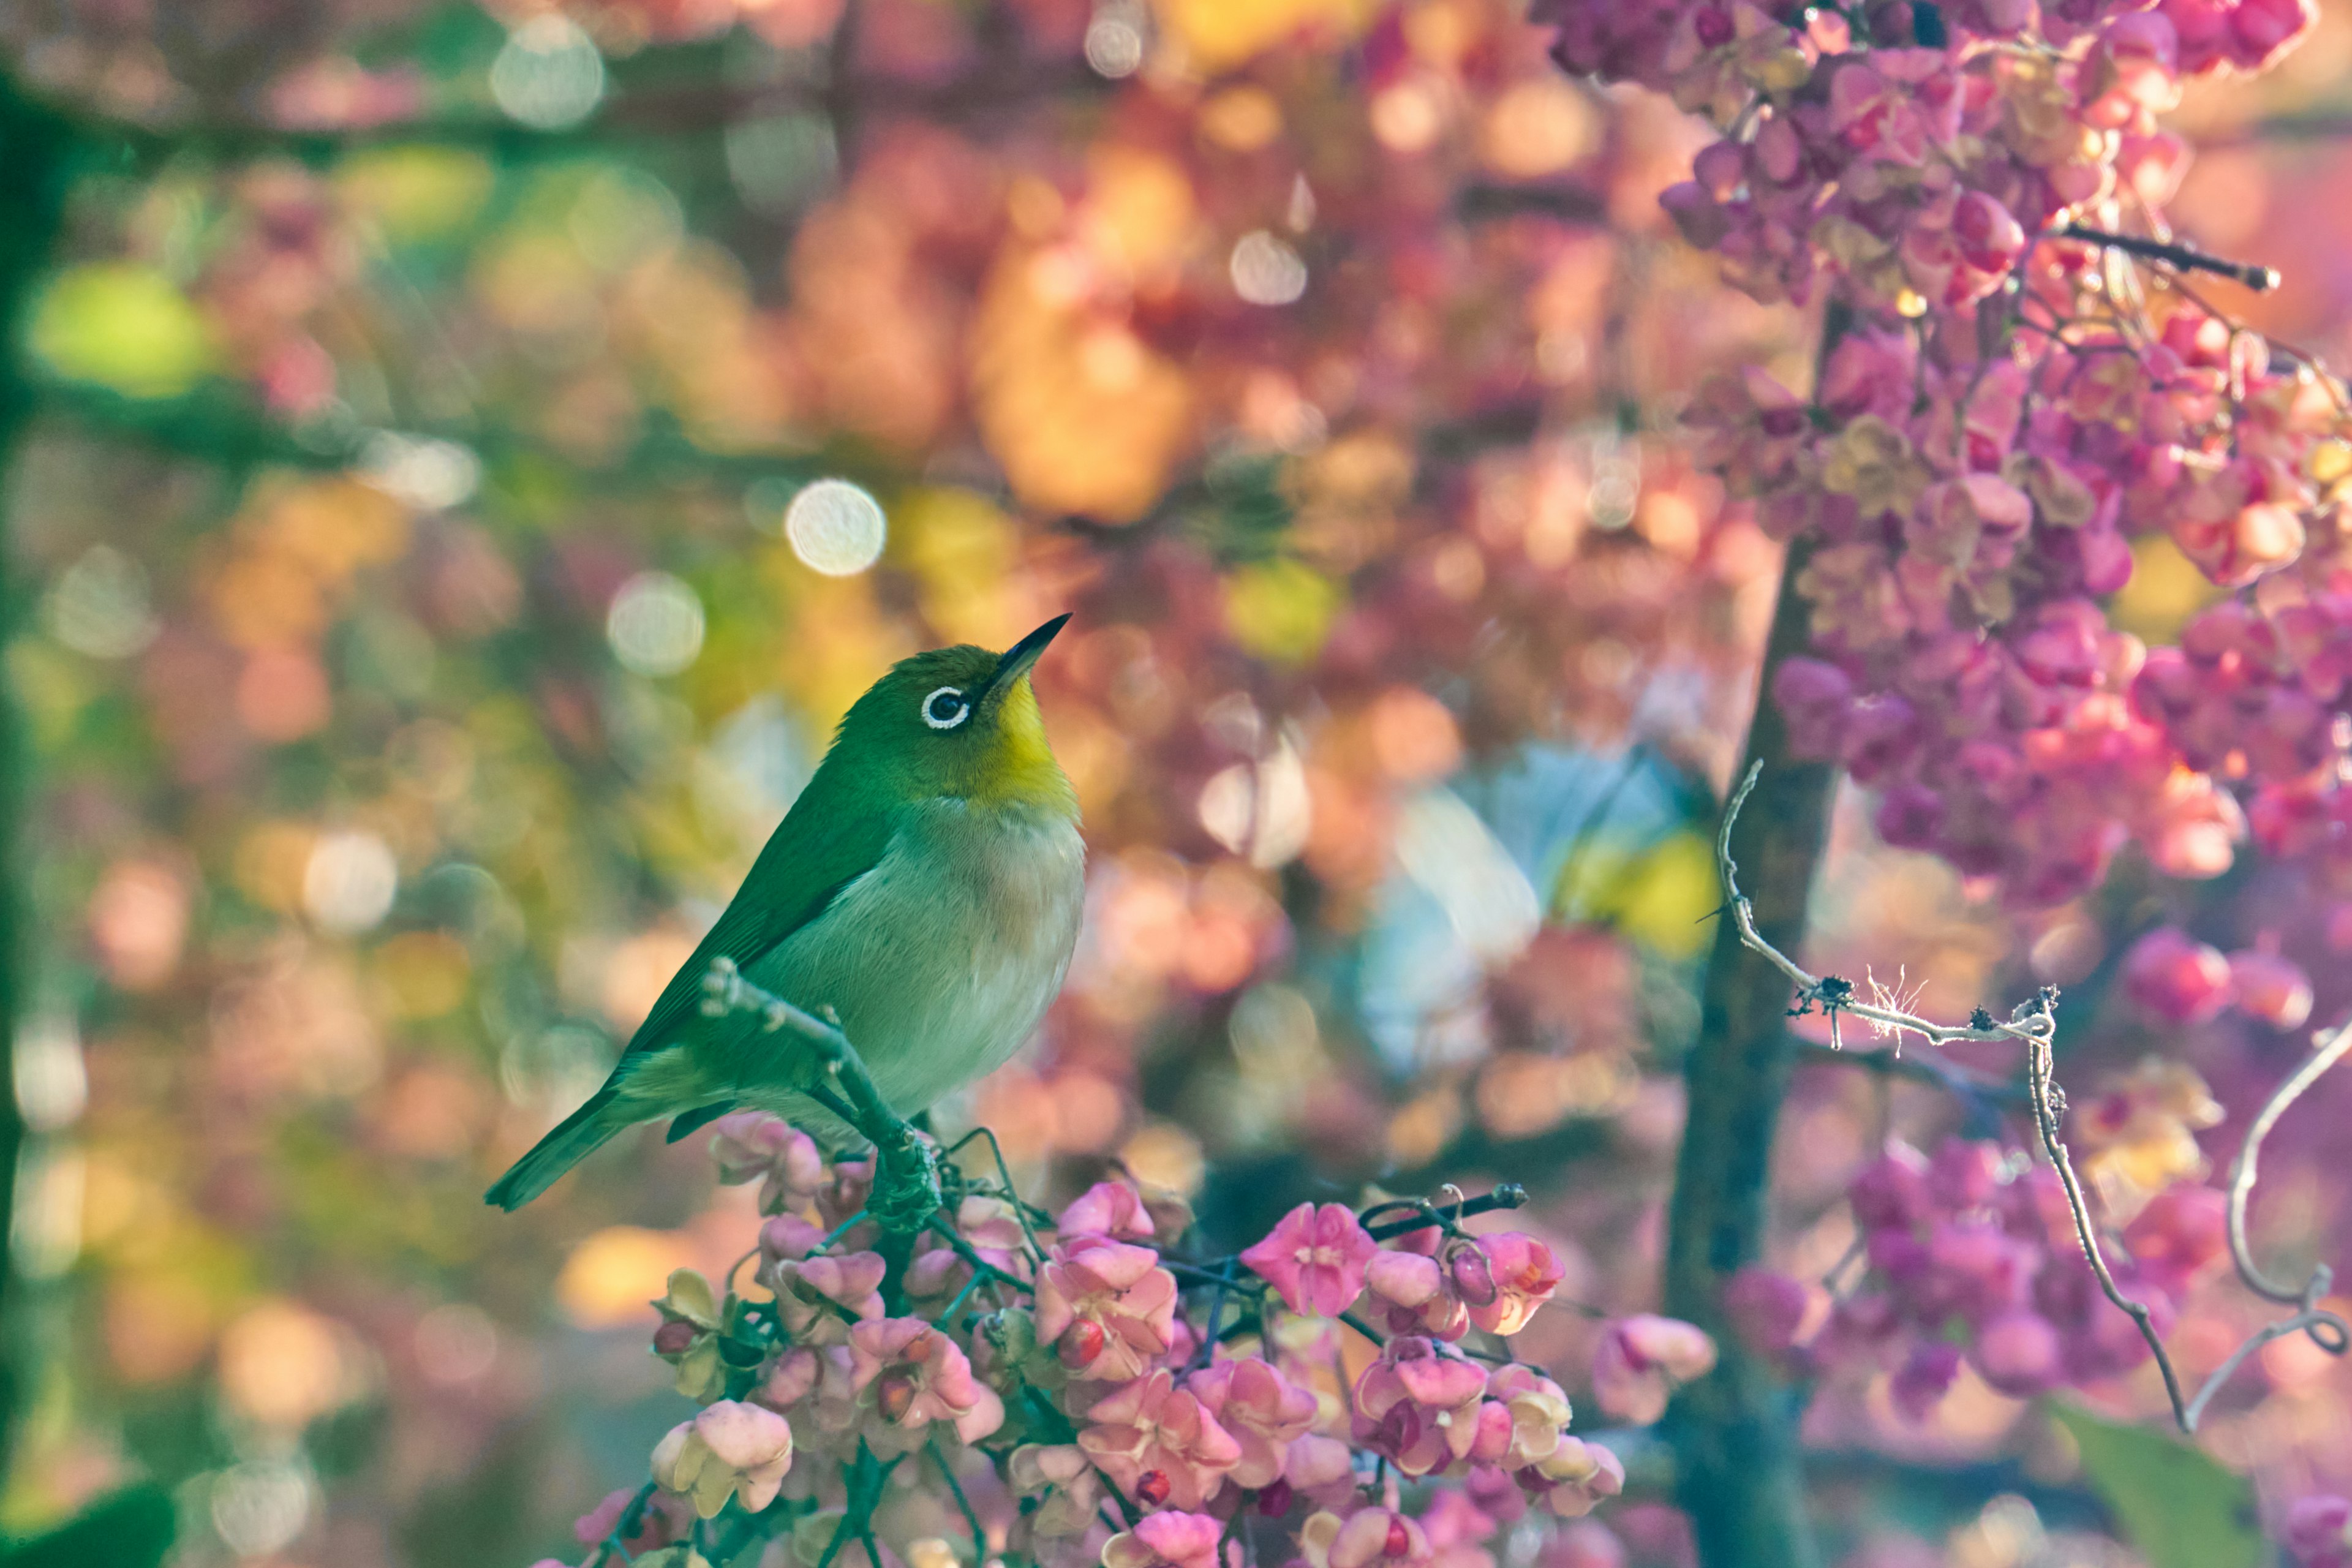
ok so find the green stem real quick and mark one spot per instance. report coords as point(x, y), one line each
point(1734, 1431)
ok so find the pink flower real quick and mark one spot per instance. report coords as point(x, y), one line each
point(729, 1450)
point(2019, 1354)
point(1263, 1411)
point(994, 1227)
point(662, 1520)
point(2175, 978)
point(2182, 1233)
point(1457, 1528)
point(1639, 1355)
point(753, 1146)
point(1766, 1307)
point(1925, 1375)
point(2317, 1529)
point(1574, 1478)
point(2271, 988)
point(1418, 1405)
point(1168, 1540)
point(1157, 1444)
point(1314, 1258)
point(1523, 1420)
point(1108, 1305)
point(785, 1236)
point(1370, 1537)
point(1411, 1286)
point(1109, 1208)
point(909, 1374)
point(1523, 1273)
point(816, 1297)
point(1494, 1282)
point(1069, 1482)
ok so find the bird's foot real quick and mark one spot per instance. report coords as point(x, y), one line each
point(906, 1191)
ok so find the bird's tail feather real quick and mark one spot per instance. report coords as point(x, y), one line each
point(571, 1141)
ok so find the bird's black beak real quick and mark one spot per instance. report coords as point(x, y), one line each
point(1021, 656)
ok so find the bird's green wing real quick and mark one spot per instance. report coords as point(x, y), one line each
point(829, 839)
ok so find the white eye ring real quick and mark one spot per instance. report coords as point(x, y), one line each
point(930, 708)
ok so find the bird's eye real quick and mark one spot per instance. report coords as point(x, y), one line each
point(945, 708)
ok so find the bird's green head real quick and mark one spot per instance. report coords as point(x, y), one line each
point(960, 722)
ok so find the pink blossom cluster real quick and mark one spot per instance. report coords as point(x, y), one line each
point(2002, 421)
point(1968, 1256)
point(1910, 161)
point(1097, 1396)
point(1964, 518)
point(1961, 523)
point(2173, 978)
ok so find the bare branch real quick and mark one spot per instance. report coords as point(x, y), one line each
point(2185, 258)
point(2328, 1049)
point(2035, 1022)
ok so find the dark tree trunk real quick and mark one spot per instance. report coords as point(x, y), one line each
point(1739, 1468)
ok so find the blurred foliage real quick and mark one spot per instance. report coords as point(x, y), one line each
point(436, 603)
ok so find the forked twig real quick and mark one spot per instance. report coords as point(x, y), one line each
point(2035, 1023)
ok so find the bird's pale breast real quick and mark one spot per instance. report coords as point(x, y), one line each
point(942, 958)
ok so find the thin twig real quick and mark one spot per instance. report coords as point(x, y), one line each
point(971, 1520)
point(2035, 1023)
point(2187, 259)
point(2329, 1048)
point(1509, 1195)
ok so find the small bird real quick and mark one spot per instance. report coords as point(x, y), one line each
point(926, 887)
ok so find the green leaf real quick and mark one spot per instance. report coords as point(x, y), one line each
point(2175, 1506)
point(132, 1529)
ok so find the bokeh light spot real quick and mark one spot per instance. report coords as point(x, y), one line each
point(614, 1275)
point(1114, 40)
point(549, 75)
point(348, 883)
point(99, 607)
point(656, 625)
point(1267, 271)
point(428, 474)
point(835, 528)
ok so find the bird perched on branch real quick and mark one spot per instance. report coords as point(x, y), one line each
point(926, 887)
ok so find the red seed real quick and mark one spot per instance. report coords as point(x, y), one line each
point(1081, 1345)
point(675, 1338)
point(894, 1395)
point(1399, 1541)
point(1151, 1490)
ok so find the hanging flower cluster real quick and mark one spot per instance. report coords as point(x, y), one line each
point(1968, 1256)
point(2009, 407)
point(1082, 1389)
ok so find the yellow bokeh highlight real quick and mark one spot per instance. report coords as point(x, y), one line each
point(1217, 35)
point(1658, 895)
point(962, 549)
point(1083, 416)
point(1139, 210)
point(2165, 590)
point(423, 974)
point(1281, 610)
point(123, 326)
point(418, 193)
point(615, 1274)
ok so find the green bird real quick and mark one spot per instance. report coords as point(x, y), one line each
point(926, 887)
